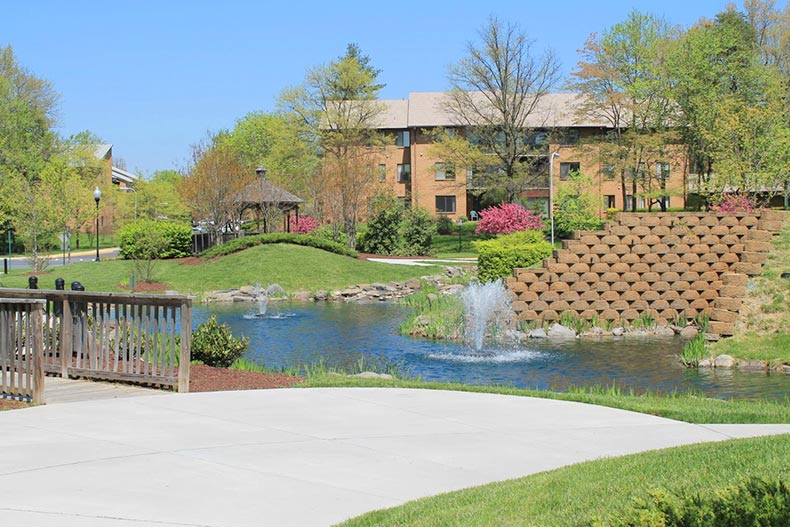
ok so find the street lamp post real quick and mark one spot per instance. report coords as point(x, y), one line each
point(551, 193)
point(261, 173)
point(130, 189)
point(96, 198)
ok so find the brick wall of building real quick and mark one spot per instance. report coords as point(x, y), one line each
point(662, 264)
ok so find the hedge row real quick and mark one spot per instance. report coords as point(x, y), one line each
point(498, 257)
point(149, 239)
point(246, 242)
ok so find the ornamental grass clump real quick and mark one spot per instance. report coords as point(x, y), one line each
point(506, 218)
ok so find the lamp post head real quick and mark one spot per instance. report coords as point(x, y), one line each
point(97, 195)
point(261, 171)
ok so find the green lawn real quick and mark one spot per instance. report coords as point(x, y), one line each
point(690, 408)
point(771, 347)
point(765, 316)
point(574, 495)
point(446, 245)
point(294, 267)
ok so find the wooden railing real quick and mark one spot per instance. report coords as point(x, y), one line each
point(143, 339)
point(22, 349)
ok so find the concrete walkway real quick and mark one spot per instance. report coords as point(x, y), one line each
point(59, 391)
point(302, 457)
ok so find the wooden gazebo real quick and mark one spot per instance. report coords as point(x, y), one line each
point(263, 195)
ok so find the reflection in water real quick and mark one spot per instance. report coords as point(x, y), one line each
point(340, 333)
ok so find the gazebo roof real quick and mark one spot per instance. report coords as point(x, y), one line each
point(267, 193)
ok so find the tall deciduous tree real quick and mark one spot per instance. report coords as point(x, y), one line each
point(213, 187)
point(734, 108)
point(622, 78)
point(497, 89)
point(337, 108)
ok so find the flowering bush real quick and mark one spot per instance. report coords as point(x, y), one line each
point(735, 203)
point(506, 218)
point(305, 224)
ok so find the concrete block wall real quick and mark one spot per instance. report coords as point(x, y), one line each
point(663, 264)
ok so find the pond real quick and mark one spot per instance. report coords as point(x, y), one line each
point(292, 334)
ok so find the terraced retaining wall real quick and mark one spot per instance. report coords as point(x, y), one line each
point(667, 265)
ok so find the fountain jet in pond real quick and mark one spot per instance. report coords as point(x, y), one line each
point(487, 311)
point(263, 296)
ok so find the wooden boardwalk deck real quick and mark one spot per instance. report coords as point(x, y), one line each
point(59, 391)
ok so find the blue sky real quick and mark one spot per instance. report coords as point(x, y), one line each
point(152, 77)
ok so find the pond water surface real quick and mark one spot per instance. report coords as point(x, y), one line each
point(340, 333)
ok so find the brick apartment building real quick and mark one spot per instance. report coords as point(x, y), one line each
point(409, 167)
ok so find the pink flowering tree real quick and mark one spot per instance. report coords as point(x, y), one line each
point(735, 203)
point(304, 224)
point(506, 218)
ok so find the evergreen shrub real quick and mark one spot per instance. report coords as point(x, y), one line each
point(498, 257)
point(149, 239)
point(213, 344)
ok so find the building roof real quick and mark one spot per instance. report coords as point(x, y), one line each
point(103, 151)
point(430, 109)
point(122, 176)
point(265, 192)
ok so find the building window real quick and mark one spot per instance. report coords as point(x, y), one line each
point(402, 139)
point(662, 171)
point(450, 132)
point(567, 168)
point(404, 173)
point(382, 172)
point(445, 204)
point(629, 202)
point(608, 201)
point(444, 171)
point(608, 171)
point(570, 136)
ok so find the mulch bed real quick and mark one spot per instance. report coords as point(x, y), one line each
point(204, 378)
point(146, 287)
point(11, 404)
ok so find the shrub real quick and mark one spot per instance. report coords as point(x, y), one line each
point(735, 203)
point(239, 244)
point(506, 218)
point(383, 229)
point(444, 225)
point(213, 344)
point(576, 208)
point(326, 232)
point(148, 239)
point(305, 224)
point(416, 233)
point(498, 257)
point(750, 502)
point(395, 230)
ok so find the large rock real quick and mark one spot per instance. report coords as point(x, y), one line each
point(372, 375)
point(724, 362)
point(413, 283)
point(538, 333)
point(247, 290)
point(560, 331)
point(689, 332)
point(664, 331)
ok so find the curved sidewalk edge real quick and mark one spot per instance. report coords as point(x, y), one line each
point(298, 456)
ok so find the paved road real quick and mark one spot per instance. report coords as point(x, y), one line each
point(20, 262)
point(296, 456)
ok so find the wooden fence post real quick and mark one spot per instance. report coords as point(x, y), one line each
point(66, 338)
point(184, 352)
point(38, 354)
